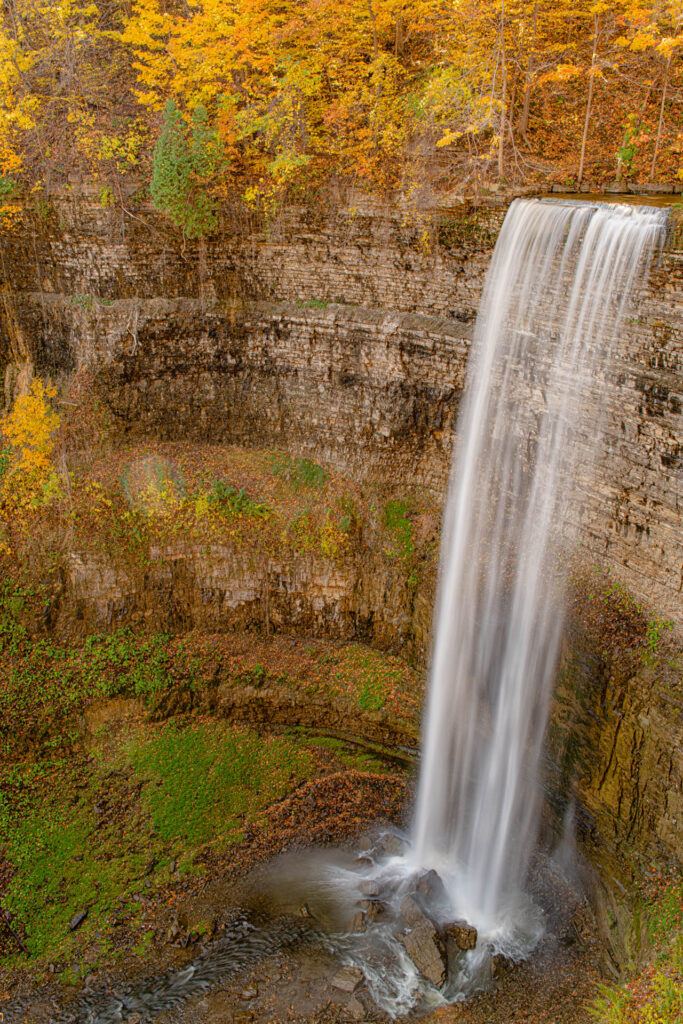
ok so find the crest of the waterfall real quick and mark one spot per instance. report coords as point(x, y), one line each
point(556, 292)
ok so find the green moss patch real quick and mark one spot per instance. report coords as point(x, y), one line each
point(89, 834)
point(201, 783)
point(399, 528)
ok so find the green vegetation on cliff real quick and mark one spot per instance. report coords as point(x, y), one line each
point(653, 993)
point(183, 164)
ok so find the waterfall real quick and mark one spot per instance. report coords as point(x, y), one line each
point(555, 295)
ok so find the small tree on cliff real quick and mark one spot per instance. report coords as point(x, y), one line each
point(28, 476)
point(184, 164)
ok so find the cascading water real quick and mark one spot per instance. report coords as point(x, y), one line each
point(556, 291)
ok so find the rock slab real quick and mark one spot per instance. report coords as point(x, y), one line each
point(422, 942)
point(348, 979)
point(426, 951)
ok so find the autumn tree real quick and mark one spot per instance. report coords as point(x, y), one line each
point(655, 33)
point(300, 88)
point(29, 477)
point(290, 94)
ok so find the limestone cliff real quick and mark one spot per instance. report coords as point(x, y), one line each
point(344, 335)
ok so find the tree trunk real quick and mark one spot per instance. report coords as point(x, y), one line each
point(398, 45)
point(589, 101)
point(528, 78)
point(503, 97)
point(375, 45)
point(373, 22)
point(661, 118)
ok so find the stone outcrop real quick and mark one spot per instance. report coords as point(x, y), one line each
point(348, 979)
point(371, 392)
point(220, 588)
point(431, 945)
point(616, 742)
point(464, 935)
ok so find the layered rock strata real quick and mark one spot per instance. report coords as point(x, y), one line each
point(344, 335)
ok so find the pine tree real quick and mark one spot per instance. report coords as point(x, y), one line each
point(182, 166)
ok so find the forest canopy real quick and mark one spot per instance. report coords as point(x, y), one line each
point(259, 100)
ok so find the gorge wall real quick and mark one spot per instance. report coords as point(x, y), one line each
point(346, 338)
point(340, 335)
point(343, 335)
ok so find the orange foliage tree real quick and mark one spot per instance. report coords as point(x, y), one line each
point(294, 93)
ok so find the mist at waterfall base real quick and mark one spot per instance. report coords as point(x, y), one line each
point(560, 283)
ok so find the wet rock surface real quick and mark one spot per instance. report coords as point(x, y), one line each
point(432, 945)
point(348, 979)
point(432, 890)
point(425, 949)
point(463, 934)
point(500, 964)
point(412, 915)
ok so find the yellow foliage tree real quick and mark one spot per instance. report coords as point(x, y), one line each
point(656, 31)
point(58, 59)
point(297, 89)
point(30, 479)
point(381, 93)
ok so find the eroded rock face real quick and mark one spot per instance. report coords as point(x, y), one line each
point(617, 740)
point(370, 392)
point(219, 588)
point(343, 337)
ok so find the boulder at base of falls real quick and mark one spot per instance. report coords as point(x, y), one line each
point(431, 889)
point(358, 922)
point(463, 934)
point(369, 887)
point(374, 910)
point(348, 979)
point(412, 913)
point(425, 950)
point(500, 964)
point(422, 942)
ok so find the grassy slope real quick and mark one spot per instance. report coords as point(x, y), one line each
point(120, 824)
